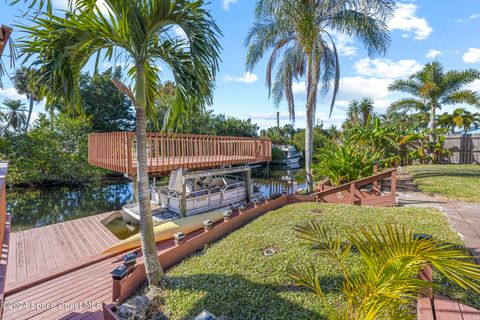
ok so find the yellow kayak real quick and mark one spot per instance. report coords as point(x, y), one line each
point(168, 229)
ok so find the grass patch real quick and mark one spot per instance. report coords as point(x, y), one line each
point(459, 182)
point(233, 278)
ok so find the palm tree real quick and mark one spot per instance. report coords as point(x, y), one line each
point(25, 83)
point(433, 88)
point(445, 120)
point(140, 33)
point(385, 279)
point(463, 118)
point(13, 112)
point(300, 32)
point(366, 110)
point(353, 112)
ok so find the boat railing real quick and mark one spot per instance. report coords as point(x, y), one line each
point(5, 222)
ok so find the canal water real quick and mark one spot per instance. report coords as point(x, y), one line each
point(31, 208)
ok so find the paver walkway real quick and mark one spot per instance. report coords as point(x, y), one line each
point(463, 216)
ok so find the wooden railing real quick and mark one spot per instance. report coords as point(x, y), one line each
point(5, 221)
point(116, 151)
point(356, 193)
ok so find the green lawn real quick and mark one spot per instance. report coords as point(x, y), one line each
point(460, 182)
point(232, 278)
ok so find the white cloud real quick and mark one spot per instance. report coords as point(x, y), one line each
point(357, 87)
point(248, 77)
point(344, 43)
point(471, 17)
point(386, 68)
point(432, 54)
point(179, 32)
point(405, 19)
point(299, 87)
point(475, 85)
point(472, 56)
point(11, 93)
point(227, 3)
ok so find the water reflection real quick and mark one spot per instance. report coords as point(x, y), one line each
point(32, 208)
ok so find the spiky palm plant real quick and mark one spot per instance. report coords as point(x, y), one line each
point(433, 88)
point(13, 114)
point(141, 34)
point(300, 34)
point(463, 119)
point(386, 278)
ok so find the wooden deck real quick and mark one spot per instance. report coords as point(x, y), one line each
point(75, 295)
point(40, 253)
point(166, 152)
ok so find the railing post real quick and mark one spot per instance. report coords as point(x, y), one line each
point(376, 188)
point(352, 193)
point(393, 189)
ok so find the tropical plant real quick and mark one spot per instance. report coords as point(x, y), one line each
point(360, 112)
point(301, 33)
point(345, 163)
point(25, 83)
point(141, 34)
point(463, 119)
point(433, 88)
point(13, 112)
point(385, 282)
point(445, 120)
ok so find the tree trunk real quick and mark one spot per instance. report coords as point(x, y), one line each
point(312, 87)
point(30, 110)
point(149, 249)
point(432, 130)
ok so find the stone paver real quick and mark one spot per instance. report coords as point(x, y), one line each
point(463, 216)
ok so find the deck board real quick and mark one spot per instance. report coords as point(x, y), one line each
point(44, 251)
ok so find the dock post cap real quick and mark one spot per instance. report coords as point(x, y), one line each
point(207, 224)
point(119, 272)
point(179, 238)
point(130, 259)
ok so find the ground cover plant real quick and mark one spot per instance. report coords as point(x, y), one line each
point(234, 278)
point(459, 182)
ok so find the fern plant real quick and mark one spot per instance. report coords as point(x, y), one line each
point(386, 281)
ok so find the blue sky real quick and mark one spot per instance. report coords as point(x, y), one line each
point(421, 31)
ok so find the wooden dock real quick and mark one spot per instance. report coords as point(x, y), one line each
point(60, 264)
point(43, 252)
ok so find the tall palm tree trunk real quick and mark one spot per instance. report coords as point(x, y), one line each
point(312, 87)
point(432, 128)
point(30, 110)
point(149, 249)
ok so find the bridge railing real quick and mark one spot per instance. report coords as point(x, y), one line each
point(5, 221)
point(116, 151)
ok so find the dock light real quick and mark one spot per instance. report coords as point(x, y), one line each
point(205, 315)
point(130, 259)
point(285, 192)
point(256, 203)
point(421, 236)
point(267, 199)
point(227, 215)
point(241, 209)
point(119, 272)
point(179, 238)
point(207, 224)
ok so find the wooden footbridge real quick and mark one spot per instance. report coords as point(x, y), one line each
point(166, 152)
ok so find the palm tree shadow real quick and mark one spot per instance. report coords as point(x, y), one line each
point(235, 297)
